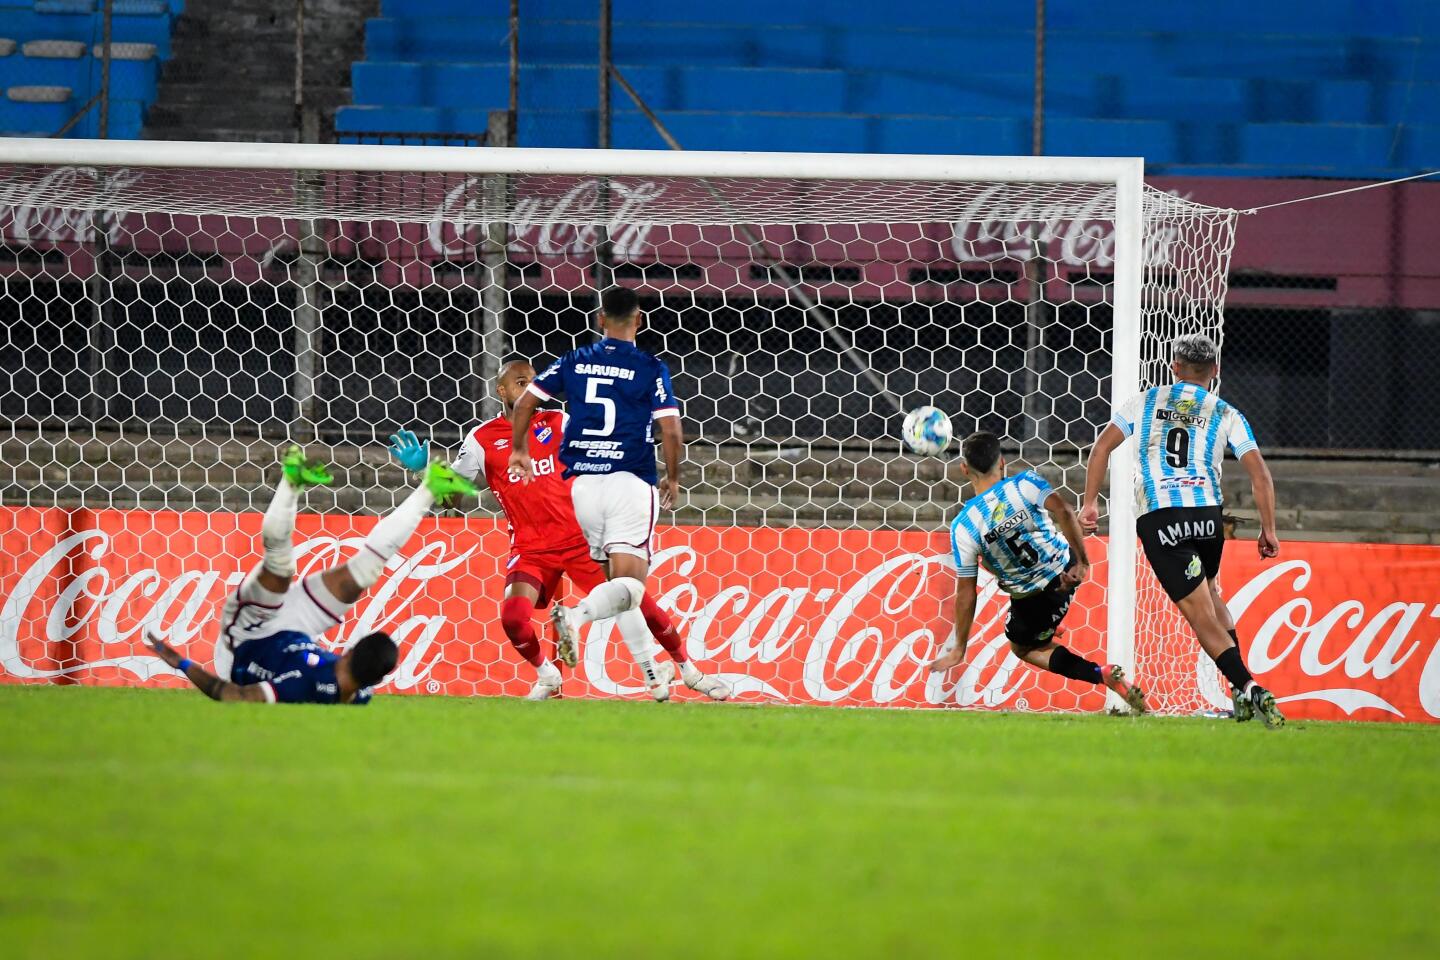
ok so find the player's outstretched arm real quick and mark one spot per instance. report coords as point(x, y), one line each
point(207, 683)
point(520, 462)
point(1069, 525)
point(964, 620)
point(1263, 486)
point(1105, 444)
point(672, 447)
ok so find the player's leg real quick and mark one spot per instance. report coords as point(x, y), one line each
point(1249, 700)
point(525, 589)
point(334, 591)
point(616, 513)
point(260, 597)
point(1184, 564)
point(1198, 609)
point(586, 574)
point(277, 529)
point(1031, 626)
point(663, 629)
point(633, 629)
point(622, 590)
point(1240, 703)
point(601, 603)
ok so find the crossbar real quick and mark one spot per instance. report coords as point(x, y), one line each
point(523, 160)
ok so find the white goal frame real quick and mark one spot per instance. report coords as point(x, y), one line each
point(1126, 174)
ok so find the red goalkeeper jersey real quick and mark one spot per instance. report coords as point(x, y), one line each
point(540, 514)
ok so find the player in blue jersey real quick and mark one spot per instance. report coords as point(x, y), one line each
point(1181, 434)
point(616, 395)
point(268, 628)
point(1010, 526)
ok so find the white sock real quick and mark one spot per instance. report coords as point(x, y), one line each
point(277, 531)
point(547, 672)
point(638, 641)
point(611, 598)
point(1248, 687)
point(388, 536)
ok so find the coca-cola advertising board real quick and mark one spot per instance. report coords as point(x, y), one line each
point(1376, 259)
point(787, 615)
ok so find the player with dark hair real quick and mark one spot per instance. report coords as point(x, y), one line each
point(1010, 527)
point(268, 629)
point(1179, 431)
point(545, 540)
point(616, 394)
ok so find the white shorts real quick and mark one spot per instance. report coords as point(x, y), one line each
point(251, 611)
point(617, 513)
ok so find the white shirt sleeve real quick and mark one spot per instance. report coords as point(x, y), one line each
point(965, 549)
point(470, 461)
point(1238, 435)
point(1128, 414)
point(1034, 488)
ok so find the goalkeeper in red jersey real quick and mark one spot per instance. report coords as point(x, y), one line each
point(545, 539)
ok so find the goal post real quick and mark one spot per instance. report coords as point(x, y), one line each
point(248, 292)
point(1124, 383)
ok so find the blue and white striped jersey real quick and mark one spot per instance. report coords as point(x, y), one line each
point(1178, 432)
point(1008, 529)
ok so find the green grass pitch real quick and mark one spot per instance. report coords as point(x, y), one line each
point(158, 824)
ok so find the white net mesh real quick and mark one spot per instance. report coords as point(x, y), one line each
point(1186, 273)
point(165, 331)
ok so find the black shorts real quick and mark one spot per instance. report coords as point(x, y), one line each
point(1033, 618)
point(1183, 545)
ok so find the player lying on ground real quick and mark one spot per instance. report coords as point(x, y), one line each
point(1179, 432)
point(545, 541)
point(1009, 525)
point(268, 629)
point(615, 394)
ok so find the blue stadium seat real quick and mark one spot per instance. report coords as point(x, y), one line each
point(469, 40)
point(664, 88)
point(1325, 87)
point(18, 118)
point(140, 8)
point(127, 119)
point(133, 83)
point(43, 70)
point(29, 25)
point(406, 119)
point(65, 7)
point(1327, 147)
point(1216, 17)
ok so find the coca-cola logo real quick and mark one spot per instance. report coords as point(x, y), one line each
point(847, 656)
point(32, 218)
point(855, 652)
point(181, 609)
point(541, 226)
point(832, 633)
point(1347, 643)
point(1085, 235)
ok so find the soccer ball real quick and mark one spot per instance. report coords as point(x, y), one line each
point(927, 431)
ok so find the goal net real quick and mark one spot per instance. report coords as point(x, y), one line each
point(174, 314)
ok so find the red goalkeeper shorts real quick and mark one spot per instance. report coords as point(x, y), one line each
point(542, 569)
